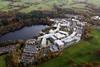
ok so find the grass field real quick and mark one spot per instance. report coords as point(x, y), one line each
point(41, 4)
point(2, 61)
point(96, 2)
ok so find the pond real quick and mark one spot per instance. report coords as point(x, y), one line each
point(24, 33)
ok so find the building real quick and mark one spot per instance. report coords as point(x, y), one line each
point(54, 41)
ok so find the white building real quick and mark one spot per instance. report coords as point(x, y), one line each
point(59, 43)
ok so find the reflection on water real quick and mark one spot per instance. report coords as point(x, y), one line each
point(24, 33)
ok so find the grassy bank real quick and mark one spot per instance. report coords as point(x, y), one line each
point(2, 61)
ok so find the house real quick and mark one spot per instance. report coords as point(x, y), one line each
point(28, 54)
point(29, 51)
point(54, 48)
point(59, 35)
point(63, 32)
point(59, 43)
point(30, 41)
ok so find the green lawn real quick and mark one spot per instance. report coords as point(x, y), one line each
point(80, 53)
point(96, 2)
point(2, 61)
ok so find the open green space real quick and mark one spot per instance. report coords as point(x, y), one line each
point(20, 5)
point(2, 61)
point(95, 2)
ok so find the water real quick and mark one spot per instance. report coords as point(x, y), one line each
point(24, 33)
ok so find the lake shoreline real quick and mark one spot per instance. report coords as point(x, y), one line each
point(26, 32)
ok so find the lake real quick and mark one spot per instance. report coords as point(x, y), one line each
point(24, 33)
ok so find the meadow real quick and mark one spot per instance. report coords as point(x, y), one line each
point(30, 5)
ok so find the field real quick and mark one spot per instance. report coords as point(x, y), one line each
point(29, 5)
point(96, 2)
point(2, 61)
